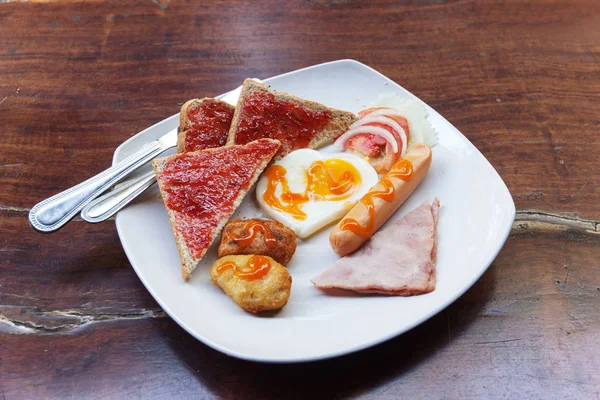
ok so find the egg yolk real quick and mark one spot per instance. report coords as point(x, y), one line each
point(329, 180)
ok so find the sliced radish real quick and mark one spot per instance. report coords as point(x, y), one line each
point(375, 130)
point(384, 120)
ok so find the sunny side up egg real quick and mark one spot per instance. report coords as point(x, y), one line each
point(307, 191)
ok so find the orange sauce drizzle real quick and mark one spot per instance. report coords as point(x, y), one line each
point(332, 179)
point(402, 169)
point(247, 236)
point(258, 266)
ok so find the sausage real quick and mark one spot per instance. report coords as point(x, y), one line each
point(378, 205)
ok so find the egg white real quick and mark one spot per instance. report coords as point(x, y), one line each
point(318, 213)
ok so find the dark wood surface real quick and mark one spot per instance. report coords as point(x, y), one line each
point(521, 79)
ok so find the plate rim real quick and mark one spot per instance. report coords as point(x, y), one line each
point(286, 359)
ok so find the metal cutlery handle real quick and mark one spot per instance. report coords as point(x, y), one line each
point(54, 212)
point(107, 205)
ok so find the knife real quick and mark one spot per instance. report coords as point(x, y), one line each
point(52, 213)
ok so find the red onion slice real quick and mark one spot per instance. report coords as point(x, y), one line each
point(384, 120)
point(375, 130)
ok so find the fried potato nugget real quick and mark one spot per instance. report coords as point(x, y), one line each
point(258, 236)
point(256, 283)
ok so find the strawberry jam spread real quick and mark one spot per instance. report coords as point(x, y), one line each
point(201, 187)
point(264, 116)
point(208, 125)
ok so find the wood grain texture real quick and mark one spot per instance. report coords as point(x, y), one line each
point(526, 329)
point(520, 79)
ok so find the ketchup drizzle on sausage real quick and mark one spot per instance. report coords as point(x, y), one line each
point(402, 169)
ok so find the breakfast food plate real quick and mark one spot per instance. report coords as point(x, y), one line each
point(475, 218)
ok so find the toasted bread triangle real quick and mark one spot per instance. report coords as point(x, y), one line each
point(339, 123)
point(185, 122)
point(179, 220)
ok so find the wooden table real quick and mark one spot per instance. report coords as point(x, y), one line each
point(521, 79)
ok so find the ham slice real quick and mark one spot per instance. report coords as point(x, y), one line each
point(398, 260)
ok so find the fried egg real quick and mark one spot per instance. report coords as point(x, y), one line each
point(306, 190)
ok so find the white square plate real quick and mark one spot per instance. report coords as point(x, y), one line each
point(476, 215)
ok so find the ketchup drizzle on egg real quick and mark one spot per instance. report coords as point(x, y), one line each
point(332, 179)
